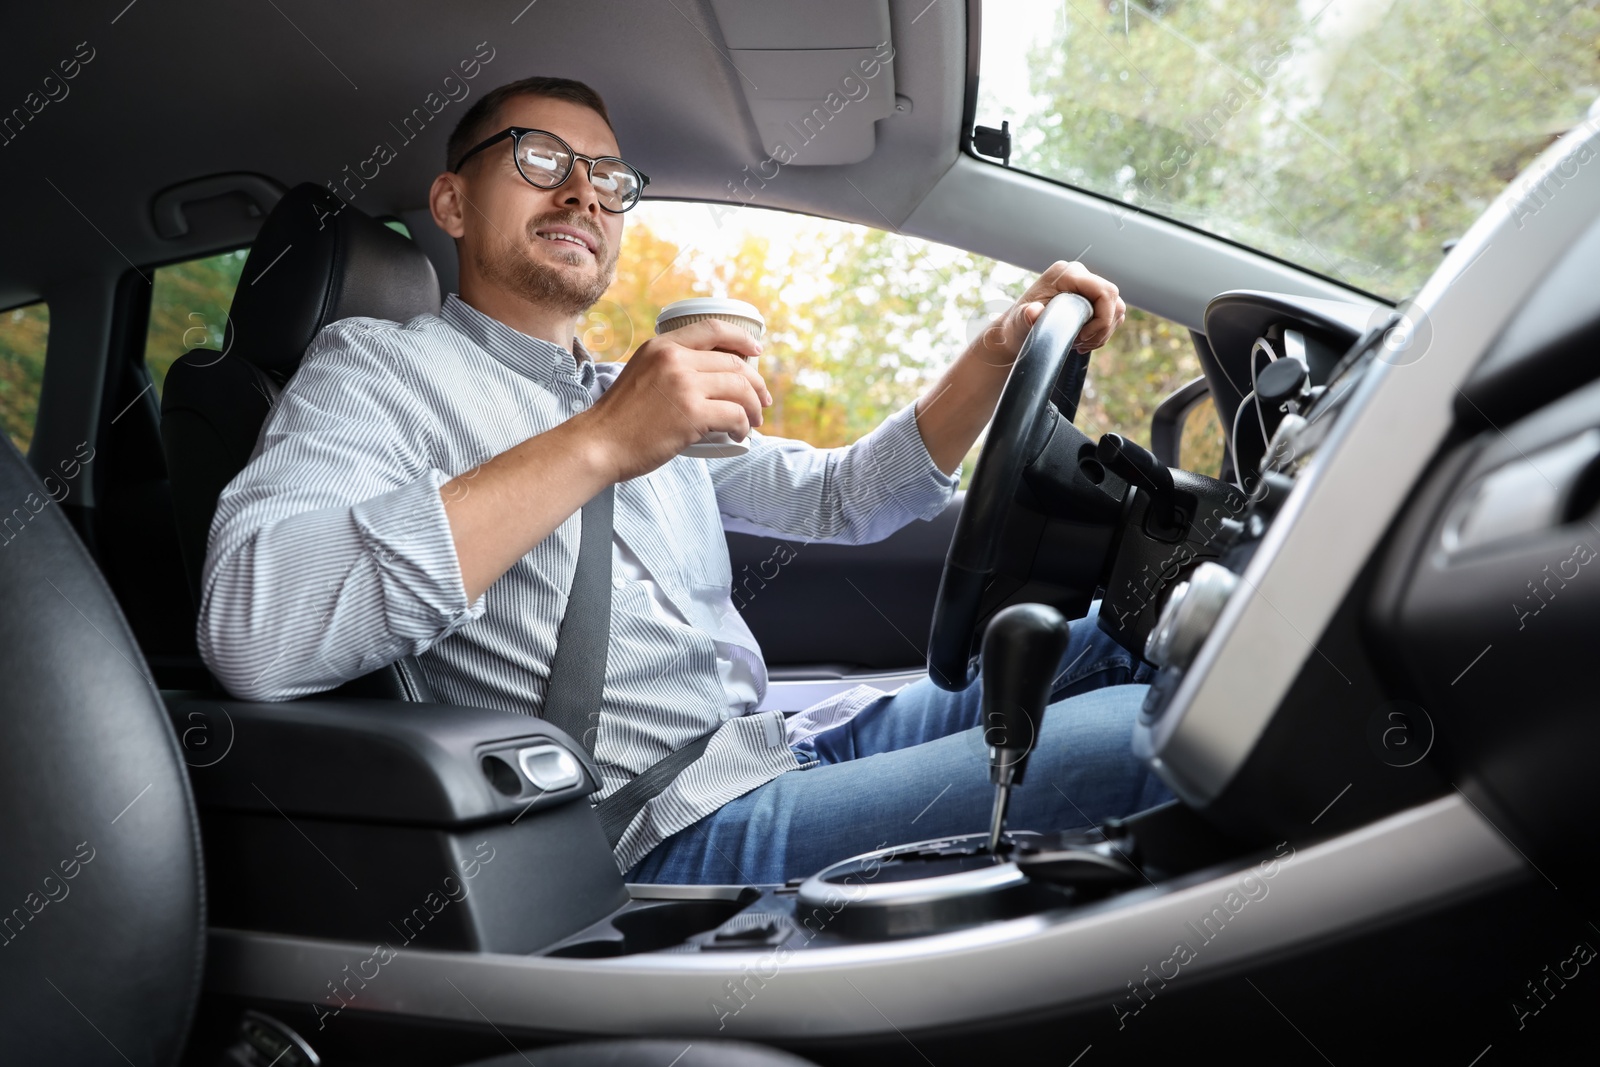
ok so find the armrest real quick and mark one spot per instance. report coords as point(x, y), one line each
point(370, 760)
point(395, 822)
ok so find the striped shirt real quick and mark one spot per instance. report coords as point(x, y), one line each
point(331, 554)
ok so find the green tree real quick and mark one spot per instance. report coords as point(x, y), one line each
point(1354, 142)
point(189, 309)
point(23, 332)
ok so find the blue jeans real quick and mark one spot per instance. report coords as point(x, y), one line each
point(913, 766)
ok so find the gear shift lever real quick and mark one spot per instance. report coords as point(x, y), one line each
point(1021, 648)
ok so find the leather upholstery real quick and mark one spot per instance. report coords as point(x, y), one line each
point(212, 410)
point(315, 261)
point(101, 903)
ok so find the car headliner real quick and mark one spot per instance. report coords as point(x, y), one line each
point(296, 92)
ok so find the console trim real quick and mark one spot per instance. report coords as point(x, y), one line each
point(1420, 858)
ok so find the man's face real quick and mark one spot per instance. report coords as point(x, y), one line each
point(513, 229)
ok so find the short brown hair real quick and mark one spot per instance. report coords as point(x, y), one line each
point(473, 125)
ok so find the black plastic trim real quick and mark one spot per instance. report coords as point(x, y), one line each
point(373, 761)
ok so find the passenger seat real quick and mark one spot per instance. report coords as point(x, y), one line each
point(316, 260)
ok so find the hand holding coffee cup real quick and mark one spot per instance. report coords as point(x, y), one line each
point(714, 445)
point(674, 389)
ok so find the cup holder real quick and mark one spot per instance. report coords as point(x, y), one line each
point(650, 926)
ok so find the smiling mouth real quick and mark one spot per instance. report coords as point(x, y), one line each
point(565, 240)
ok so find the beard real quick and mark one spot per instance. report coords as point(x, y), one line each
point(569, 290)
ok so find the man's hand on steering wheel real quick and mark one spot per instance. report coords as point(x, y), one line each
point(1003, 339)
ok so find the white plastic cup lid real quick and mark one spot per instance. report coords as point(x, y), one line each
point(709, 305)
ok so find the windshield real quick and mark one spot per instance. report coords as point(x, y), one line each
point(1353, 138)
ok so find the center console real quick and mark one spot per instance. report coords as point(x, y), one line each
point(433, 868)
point(432, 827)
point(465, 903)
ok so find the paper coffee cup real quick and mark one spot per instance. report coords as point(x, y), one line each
point(683, 312)
point(680, 313)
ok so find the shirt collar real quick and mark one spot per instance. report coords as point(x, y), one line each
point(532, 357)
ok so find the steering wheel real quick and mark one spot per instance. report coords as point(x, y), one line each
point(1046, 367)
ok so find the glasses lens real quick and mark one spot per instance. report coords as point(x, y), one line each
point(543, 160)
point(617, 183)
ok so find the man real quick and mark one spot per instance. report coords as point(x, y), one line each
point(416, 491)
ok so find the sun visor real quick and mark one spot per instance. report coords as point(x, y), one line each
point(817, 74)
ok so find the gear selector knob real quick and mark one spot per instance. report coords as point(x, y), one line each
point(1021, 649)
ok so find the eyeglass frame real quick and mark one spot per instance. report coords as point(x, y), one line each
point(516, 134)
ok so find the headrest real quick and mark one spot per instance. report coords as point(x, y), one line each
point(318, 260)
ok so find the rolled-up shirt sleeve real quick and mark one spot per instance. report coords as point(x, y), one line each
point(330, 554)
point(854, 494)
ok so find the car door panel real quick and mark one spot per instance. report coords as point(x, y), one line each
point(842, 606)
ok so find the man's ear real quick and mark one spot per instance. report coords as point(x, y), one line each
point(448, 205)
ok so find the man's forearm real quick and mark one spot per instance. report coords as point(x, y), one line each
point(500, 510)
point(954, 412)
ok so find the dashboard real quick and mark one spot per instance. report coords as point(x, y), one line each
point(1276, 689)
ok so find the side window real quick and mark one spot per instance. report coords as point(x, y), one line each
point(859, 321)
point(23, 332)
point(189, 309)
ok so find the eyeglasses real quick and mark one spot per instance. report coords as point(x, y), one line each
point(545, 162)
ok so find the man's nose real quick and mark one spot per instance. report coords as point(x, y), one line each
point(577, 191)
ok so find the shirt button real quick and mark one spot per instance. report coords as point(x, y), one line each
point(575, 406)
point(619, 581)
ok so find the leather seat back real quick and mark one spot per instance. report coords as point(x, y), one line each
point(101, 903)
point(316, 260)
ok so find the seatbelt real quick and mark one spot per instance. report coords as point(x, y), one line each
point(578, 671)
point(617, 810)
